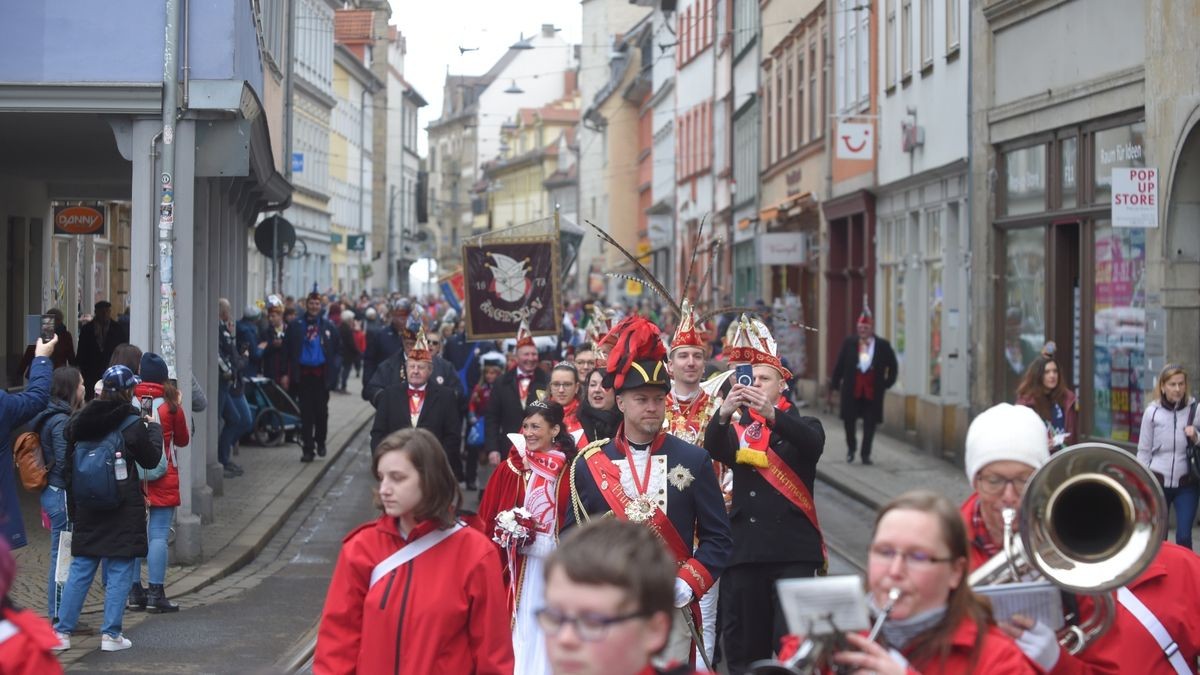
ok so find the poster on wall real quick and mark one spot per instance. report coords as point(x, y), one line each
point(1120, 332)
point(1135, 197)
point(509, 281)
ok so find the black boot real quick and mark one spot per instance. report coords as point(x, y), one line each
point(158, 602)
point(137, 598)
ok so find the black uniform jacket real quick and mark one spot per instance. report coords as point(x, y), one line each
point(505, 412)
point(439, 414)
point(883, 366)
point(697, 511)
point(766, 526)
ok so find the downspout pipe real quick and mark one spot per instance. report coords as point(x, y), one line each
point(166, 204)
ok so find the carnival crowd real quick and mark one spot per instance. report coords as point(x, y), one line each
point(646, 482)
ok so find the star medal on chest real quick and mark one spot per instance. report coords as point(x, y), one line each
point(639, 509)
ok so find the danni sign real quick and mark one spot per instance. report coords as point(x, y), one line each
point(78, 220)
point(1135, 197)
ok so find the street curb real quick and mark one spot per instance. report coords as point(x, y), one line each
point(845, 488)
point(246, 546)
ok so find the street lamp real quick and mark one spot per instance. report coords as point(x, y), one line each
point(523, 43)
point(514, 89)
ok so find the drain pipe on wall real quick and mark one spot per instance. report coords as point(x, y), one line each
point(166, 203)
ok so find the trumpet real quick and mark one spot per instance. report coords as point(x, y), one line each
point(1091, 521)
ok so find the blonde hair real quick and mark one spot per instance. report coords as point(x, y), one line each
point(1171, 370)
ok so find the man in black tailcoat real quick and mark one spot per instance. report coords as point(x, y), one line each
point(514, 390)
point(866, 368)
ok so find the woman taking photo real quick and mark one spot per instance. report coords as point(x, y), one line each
point(1043, 390)
point(598, 414)
point(414, 591)
point(938, 624)
point(1168, 426)
point(523, 507)
point(564, 390)
point(66, 397)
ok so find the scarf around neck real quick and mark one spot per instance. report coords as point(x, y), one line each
point(898, 633)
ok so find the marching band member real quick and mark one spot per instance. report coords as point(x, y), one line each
point(517, 388)
point(647, 476)
point(414, 591)
point(773, 453)
point(1152, 632)
point(524, 506)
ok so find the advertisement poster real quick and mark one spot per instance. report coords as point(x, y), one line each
point(1120, 333)
point(508, 281)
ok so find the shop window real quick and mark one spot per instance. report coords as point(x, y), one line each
point(1024, 303)
point(1067, 172)
point(1025, 181)
point(936, 297)
point(1121, 147)
point(1119, 324)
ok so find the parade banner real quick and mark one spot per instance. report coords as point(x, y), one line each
point(452, 289)
point(507, 281)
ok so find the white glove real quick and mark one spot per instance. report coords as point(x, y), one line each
point(1040, 644)
point(683, 593)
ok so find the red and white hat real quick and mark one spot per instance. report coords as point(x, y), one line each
point(686, 334)
point(420, 350)
point(753, 343)
point(865, 319)
point(524, 335)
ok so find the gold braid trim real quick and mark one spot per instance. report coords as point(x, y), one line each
point(581, 515)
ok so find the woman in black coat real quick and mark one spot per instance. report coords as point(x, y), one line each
point(117, 535)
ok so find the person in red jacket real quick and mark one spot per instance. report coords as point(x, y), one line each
point(414, 591)
point(162, 494)
point(26, 639)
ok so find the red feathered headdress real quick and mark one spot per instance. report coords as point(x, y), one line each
point(636, 357)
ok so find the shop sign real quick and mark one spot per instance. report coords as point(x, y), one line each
point(1135, 197)
point(783, 248)
point(356, 242)
point(78, 220)
point(855, 140)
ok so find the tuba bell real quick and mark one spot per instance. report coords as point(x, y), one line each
point(1091, 521)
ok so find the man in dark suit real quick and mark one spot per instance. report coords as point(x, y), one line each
point(513, 391)
point(772, 452)
point(97, 340)
point(383, 344)
point(420, 403)
point(647, 476)
point(866, 368)
point(312, 344)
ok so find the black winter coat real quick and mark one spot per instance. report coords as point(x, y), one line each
point(766, 526)
point(439, 415)
point(883, 366)
point(506, 411)
point(120, 532)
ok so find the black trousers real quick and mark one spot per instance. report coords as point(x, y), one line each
point(314, 411)
point(752, 620)
point(868, 431)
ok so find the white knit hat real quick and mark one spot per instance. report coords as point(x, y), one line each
point(1006, 432)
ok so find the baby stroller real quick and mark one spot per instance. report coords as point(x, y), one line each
point(276, 415)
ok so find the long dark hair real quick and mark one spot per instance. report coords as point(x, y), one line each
point(440, 496)
point(127, 355)
point(963, 603)
point(598, 423)
point(1031, 388)
point(554, 415)
point(64, 386)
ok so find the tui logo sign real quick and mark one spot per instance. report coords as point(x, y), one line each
point(78, 220)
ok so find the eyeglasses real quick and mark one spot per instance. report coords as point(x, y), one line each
point(992, 484)
point(911, 558)
point(589, 627)
point(562, 385)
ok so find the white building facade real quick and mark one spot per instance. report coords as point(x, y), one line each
point(351, 172)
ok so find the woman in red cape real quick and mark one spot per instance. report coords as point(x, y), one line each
point(533, 478)
point(415, 591)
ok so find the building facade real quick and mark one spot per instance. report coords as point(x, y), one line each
point(403, 242)
point(351, 143)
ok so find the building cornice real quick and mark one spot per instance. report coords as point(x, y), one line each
point(314, 92)
point(112, 98)
point(1080, 90)
point(1001, 14)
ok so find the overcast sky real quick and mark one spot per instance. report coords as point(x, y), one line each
point(435, 29)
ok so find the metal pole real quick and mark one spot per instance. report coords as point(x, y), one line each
point(166, 204)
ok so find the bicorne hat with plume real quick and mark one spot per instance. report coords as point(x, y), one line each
point(637, 356)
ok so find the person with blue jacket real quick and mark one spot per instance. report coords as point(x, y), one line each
point(312, 344)
point(16, 410)
point(66, 397)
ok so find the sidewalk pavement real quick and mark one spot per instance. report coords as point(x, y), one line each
point(898, 466)
point(252, 509)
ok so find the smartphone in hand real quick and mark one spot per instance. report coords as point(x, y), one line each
point(744, 375)
point(47, 327)
point(147, 406)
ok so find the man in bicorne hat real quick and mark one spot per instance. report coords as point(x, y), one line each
point(772, 452)
point(421, 403)
point(648, 476)
point(866, 368)
point(516, 389)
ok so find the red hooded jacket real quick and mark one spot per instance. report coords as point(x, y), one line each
point(445, 611)
point(25, 643)
point(165, 491)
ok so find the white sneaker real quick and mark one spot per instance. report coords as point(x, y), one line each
point(114, 644)
point(64, 642)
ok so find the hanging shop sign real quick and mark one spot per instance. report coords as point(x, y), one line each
point(1135, 197)
point(855, 140)
point(79, 220)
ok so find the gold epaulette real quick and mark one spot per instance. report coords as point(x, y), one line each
point(594, 447)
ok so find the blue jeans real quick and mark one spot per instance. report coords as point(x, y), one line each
point(54, 503)
point(158, 528)
point(1185, 500)
point(238, 421)
point(116, 590)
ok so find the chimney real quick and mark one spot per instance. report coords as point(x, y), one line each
point(548, 30)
